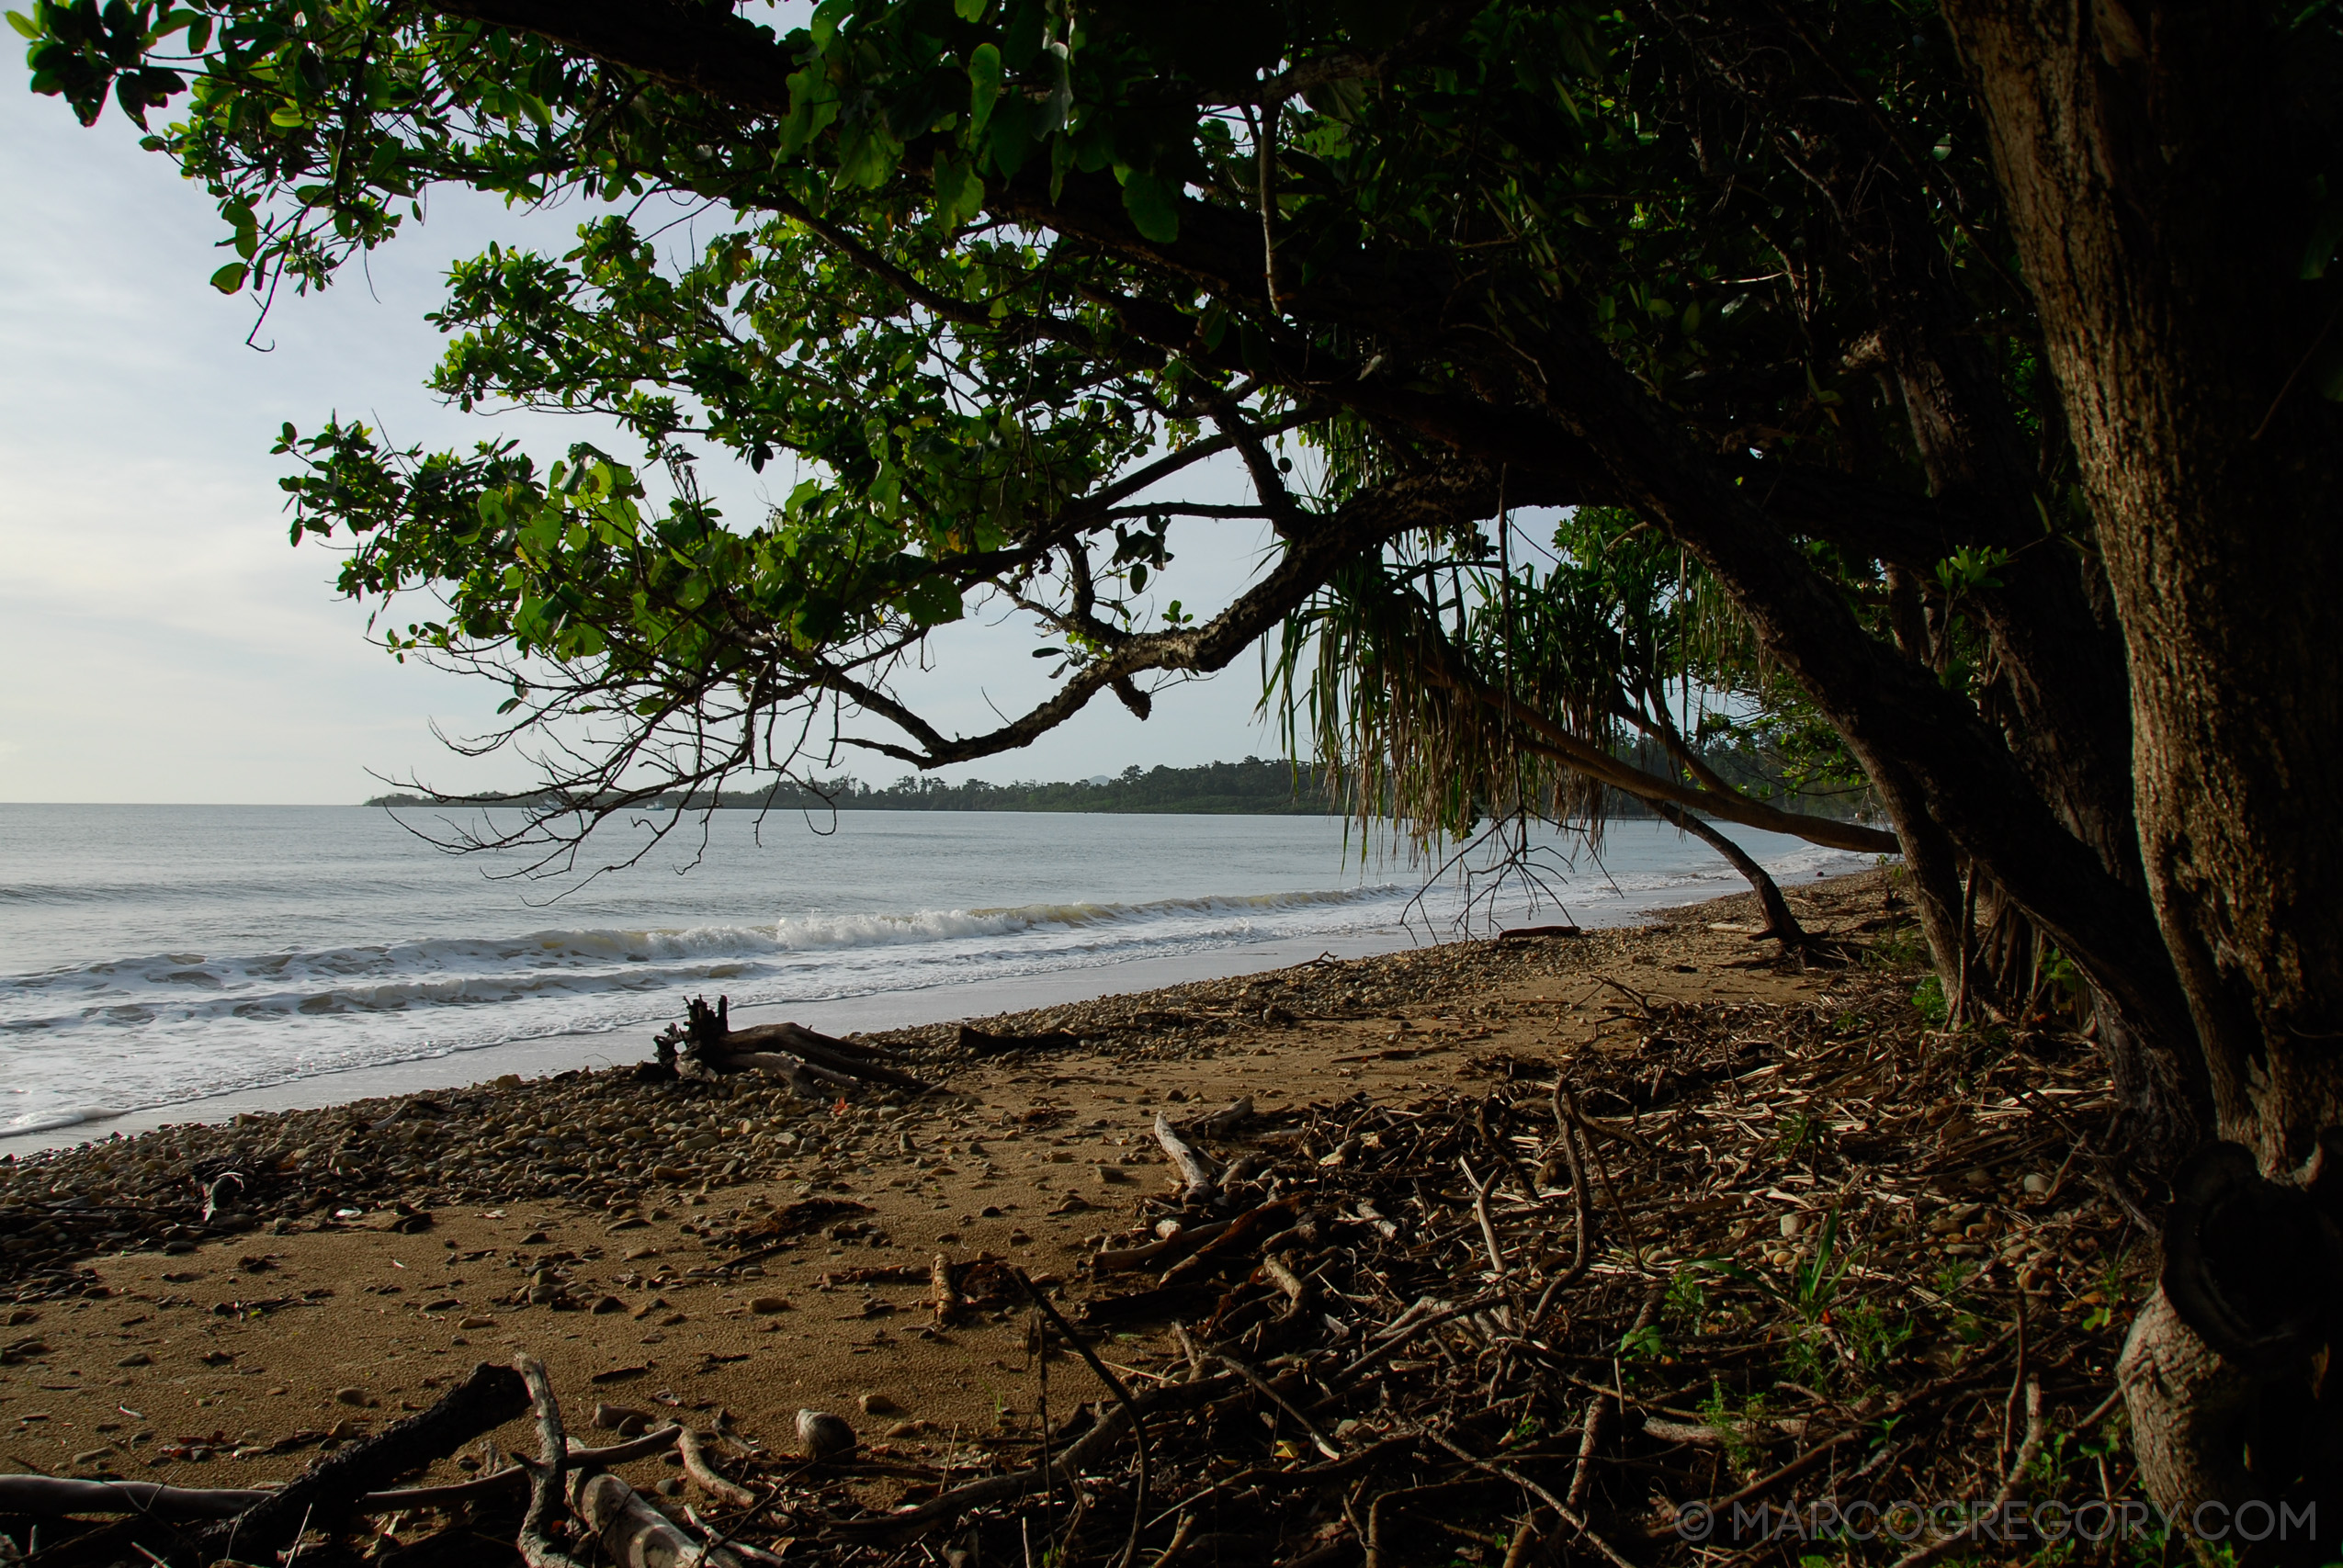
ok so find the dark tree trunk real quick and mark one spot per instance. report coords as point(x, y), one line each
point(1780, 923)
point(2158, 163)
point(1934, 866)
point(2160, 197)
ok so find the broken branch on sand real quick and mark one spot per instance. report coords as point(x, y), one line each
point(712, 1046)
point(1202, 1178)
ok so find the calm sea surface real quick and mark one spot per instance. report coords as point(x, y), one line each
point(152, 955)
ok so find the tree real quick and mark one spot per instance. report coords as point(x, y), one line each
point(1974, 367)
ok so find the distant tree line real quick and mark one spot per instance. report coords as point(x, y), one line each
point(1254, 787)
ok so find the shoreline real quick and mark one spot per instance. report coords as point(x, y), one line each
point(630, 1043)
point(216, 1304)
point(869, 1013)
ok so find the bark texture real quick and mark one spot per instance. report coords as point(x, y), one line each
point(2157, 163)
point(2156, 160)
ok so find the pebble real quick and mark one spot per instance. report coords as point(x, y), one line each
point(879, 1404)
point(350, 1395)
point(476, 1321)
point(1792, 1225)
point(823, 1436)
point(2036, 1183)
point(766, 1306)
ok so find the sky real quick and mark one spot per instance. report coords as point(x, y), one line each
point(160, 641)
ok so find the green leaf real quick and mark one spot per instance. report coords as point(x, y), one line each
point(969, 11)
point(825, 21)
point(1010, 137)
point(1152, 206)
point(231, 279)
point(23, 25)
point(959, 194)
point(984, 85)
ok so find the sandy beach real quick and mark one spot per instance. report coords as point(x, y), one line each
point(651, 1242)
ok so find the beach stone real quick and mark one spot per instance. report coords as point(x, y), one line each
point(2036, 1183)
point(350, 1395)
point(136, 1359)
point(879, 1404)
point(476, 1321)
point(606, 1304)
point(610, 1417)
point(1112, 1175)
point(823, 1436)
point(766, 1306)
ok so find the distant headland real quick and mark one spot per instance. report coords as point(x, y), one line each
point(1251, 788)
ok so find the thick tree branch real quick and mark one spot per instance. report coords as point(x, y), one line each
point(1320, 547)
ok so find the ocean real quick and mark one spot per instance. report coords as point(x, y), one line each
point(159, 957)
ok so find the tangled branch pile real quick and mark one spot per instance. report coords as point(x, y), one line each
point(1747, 1263)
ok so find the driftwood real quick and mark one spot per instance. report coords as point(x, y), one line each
point(1163, 1252)
point(711, 1043)
point(635, 1534)
point(56, 1497)
point(538, 1546)
point(944, 1290)
point(694, 1449)
point(632, 1532)
point(977, 1042)
point(1195, 1167)
point(1221, 1123)
point(1084, 1454)
point(803, 1076)
point(1237, 1242)
point(328, 1491)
